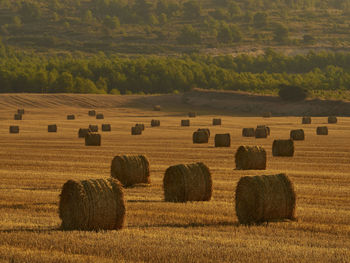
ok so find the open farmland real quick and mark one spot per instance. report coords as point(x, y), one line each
point(34, 165)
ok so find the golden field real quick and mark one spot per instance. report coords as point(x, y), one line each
point(34, 165)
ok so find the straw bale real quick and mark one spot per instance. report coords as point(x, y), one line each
point(14, 129)
point(283, 148)
point(106, 128)
point(18, 117)
point(306, 120)
point(322, 130)
point(205, 130)
point(223, 140)
point(92, 139)
point(92, 113)
point(52, 128)
point(200, 137)
point(156, 108)
point(93, 128)
point(140, 125)
point(216, 121)
point(297, 135)
point(20, 111)
point(155, 123)
point(248, 132)
point(261, 132)
point(100, 116)
point(71, 117)
point(191, 114)
point(136, 130)
point(82, 132)
point(185, 122)
point(250, 158)
point(332, 119)
point(266, 127)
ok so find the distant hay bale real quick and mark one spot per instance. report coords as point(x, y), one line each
point(92, 113)
point(14, 129)
point(185, 122)
point(266, 115)
point(106, 128)
point(191, 182)
point(261, 132)
point(155, 123)
point(100, 116)
point(332, 119)
point(20, 111)
point(222, 140)
point(191, 114)
point(140, 125)
point(93, 128)
point(136, 130)
point(96, 204)
point(156, 108)
point(250, 158)
point(70, 117)
point(248, 132)
point(205, 130)
point(297, 135)
point(131, 169)
point(266, 127)
point(283, 148)
point(322, 130)
point(216, 121)
point(18, 117)
point(306, 120)
point(265, 198)
point(82, 132)
point(200, 137)
point(92, 139)
point(52, 128)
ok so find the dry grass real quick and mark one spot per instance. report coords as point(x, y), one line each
point(35, 164)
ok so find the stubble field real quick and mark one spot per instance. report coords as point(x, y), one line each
point(34, 165)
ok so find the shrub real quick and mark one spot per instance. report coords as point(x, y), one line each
point(292, 93)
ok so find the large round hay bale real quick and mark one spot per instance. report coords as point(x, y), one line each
point(106, 128)
point(185, 122)
point(82, 132)
point(20, 111)
point(52, 128)
point(200, 137)
point(92, 113)
point(216, 121)
point(14, 129)
point(156, 108)
point(71, 117)
point(250, 158)
point(205, 130)
point(191, 114)
point(261, 132)
point(140, 125)
point(306, 120)
point(297, 135)
point(131, 169)
point(332, 119)
point(191, 182)
point(155, 123)
point(92, 205)
point(266, 114)
point(136, 130)
point(93, 128)
point(264, 198)
point(18, 117)
point(92, 139)
point(223, 140)
point(266, 127)
point(322, 130)
point(100, 116)
point(283, 148)
point(248, 132)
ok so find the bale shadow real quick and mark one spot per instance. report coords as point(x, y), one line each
point(188, 225)
point(144, 201)
point(31, 230)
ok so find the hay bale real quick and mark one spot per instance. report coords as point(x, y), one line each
point(191, 182)
point(96, 204)
point(216, 121)
point(71, 117)
point(200, 137)
point(18, 117)
point(283, 148)
point(297, 135)
point(140, 125)
point(205, 130)
point(106, 128)
point(93, 128)
point(14, 129)
point(332, 119)
point(248, 132)
point(250, 158)
point(52, 128)
point(265, 198)
point(92, 139)
point(261, 133)
point(322, 130)
point(155, 123)
point(131, 169)
point(191, 114)
point(156, 108)
point(92, 113)
point(266, 127)
point(100, 116)
point(223, 140)
point(266, 115)
point(20, 111)
point(306, 120)
point(185, 122)
point(136, 131)
point(82, 132)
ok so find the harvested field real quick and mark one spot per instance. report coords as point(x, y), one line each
point(34, 165)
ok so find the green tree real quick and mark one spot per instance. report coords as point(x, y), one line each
point(64, 83)
point(280, 33)
point(189, 35)
point(192, 9)
point(260, 20)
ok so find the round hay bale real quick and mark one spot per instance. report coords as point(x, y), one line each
point(140, 125)
point(92, 113)
point(266, 127)
point(191, 182)
point(82, 132)
point(191, 114)
point(200, 137)
point(92, 139)
point(52, 128)
point(332, 119)
point(92, 205)
point(136, 130)
point(100, 116)
point(205, 130)
point(261, 132)
point(322, 130)
point(216, 121)
point(265, 198)
point(71, 117)
point(18, 117)
point(131, 169)
point(185, 122)
point(250, 158)
point(93, 128)
point(20, 111)
point(297, 135)
point(266, 115)
point(156, 108)
point(283, 148)
point(306, 120)
point(248, 132)
point(155, 123)
point(223, 140)
point(14, 129)
point(106, 128)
